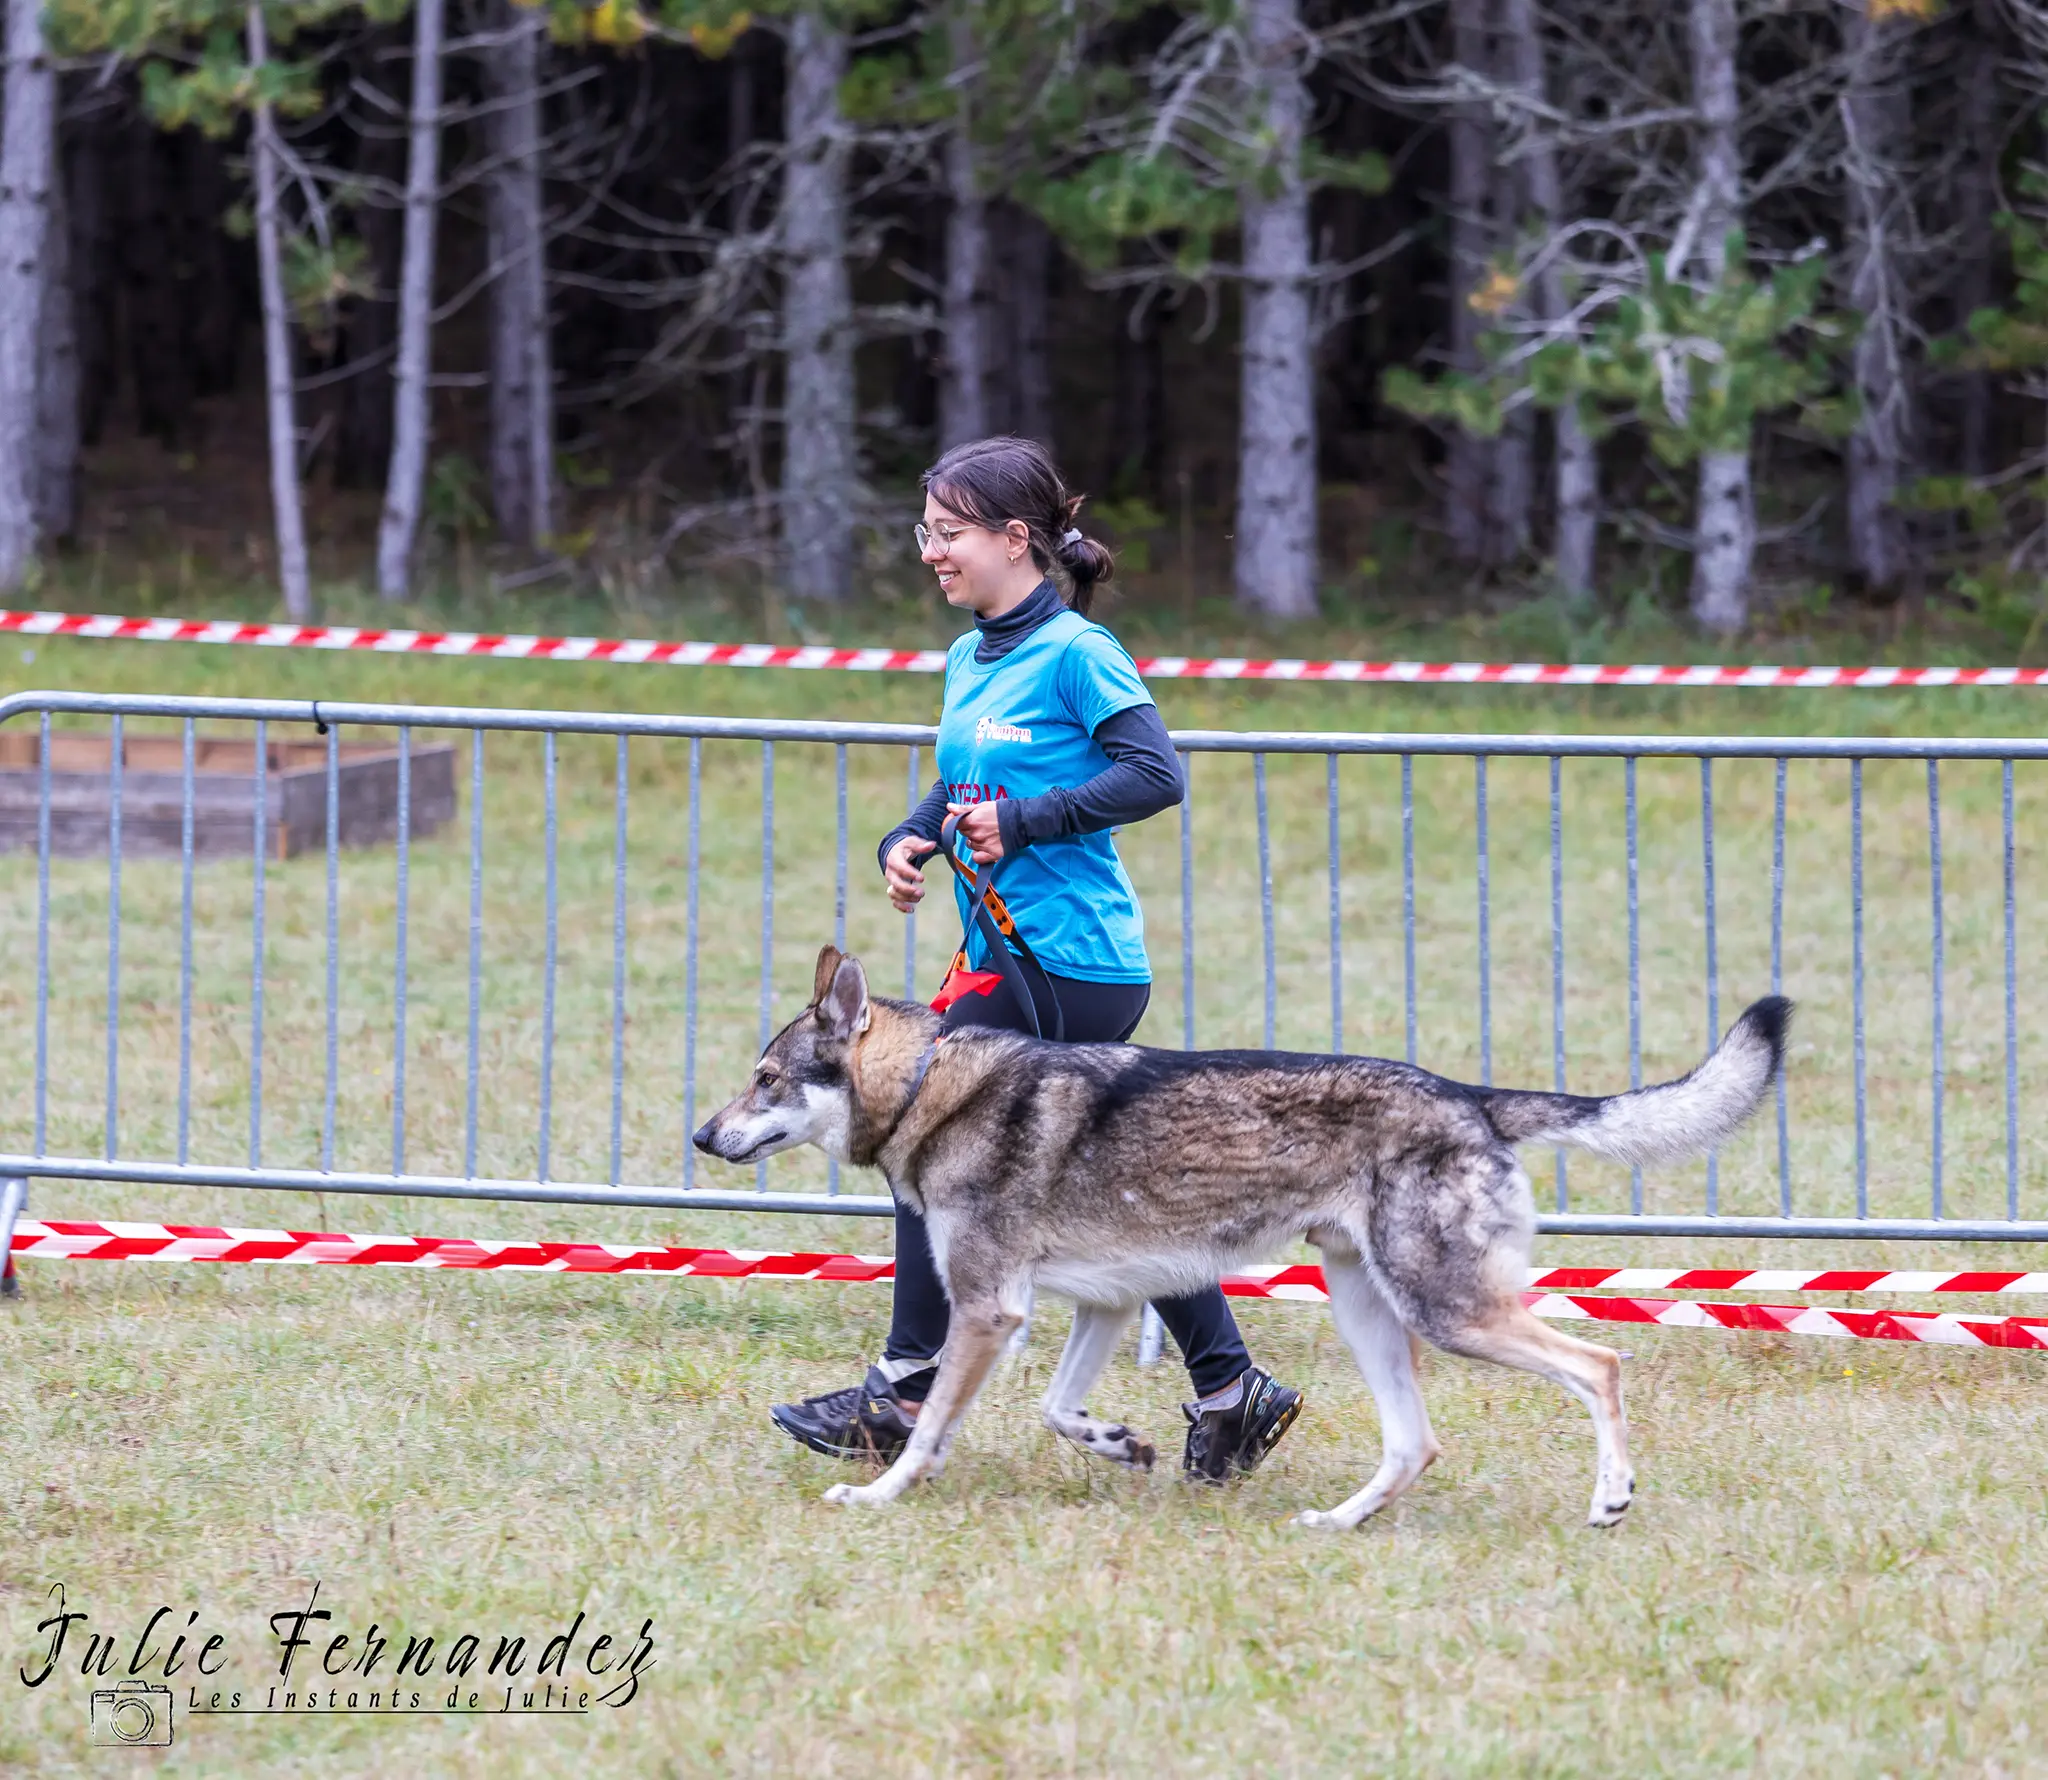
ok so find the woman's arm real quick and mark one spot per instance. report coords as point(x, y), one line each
point(1142, 778)
point(924, 822)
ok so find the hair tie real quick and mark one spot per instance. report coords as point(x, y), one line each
point(1072, 537)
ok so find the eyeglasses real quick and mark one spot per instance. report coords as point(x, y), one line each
point(930, 537)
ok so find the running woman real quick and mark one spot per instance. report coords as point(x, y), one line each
point(1048, 740)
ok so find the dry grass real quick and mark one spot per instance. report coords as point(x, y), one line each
point(1833, 1559)
point(1825, 1571)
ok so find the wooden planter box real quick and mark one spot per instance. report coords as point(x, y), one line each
point(225, 786)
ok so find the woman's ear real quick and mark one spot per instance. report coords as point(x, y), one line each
point(1019, 536)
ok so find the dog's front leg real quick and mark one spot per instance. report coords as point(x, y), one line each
point(1097, 1330)
point(975, 1339)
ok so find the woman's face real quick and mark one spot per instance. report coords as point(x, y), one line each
point(979, 570)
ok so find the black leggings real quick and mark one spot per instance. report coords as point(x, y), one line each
point(1200, 1322)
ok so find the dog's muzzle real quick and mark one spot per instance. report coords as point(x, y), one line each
point(707, 1138)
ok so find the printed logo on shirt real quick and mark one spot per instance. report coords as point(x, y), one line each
point(994, 729)
point(967, 791)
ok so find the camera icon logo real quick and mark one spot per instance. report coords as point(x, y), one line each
point(131, 1714)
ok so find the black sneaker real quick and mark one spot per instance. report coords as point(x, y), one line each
point(863, 1421)
point(1226, 1443)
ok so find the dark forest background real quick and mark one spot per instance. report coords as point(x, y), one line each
point(1504, 227)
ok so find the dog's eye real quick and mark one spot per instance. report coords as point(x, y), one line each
point(767, 1079)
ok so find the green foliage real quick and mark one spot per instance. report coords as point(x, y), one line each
point(1013, 73)
point(1369, 174)
point(319, 276)
point(1132, 195)
point(454, 496)
point(1177, 198)
point(2013, 605)
point(1694, 367)
point(2014, 338)
point(193, 54)
point(2011, 339)
point(1977, 506)
point(1473, 403)
point(1131, 523)
point(884, 88)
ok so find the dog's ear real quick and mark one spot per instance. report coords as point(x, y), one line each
point(828, 967)
point(843, 1009)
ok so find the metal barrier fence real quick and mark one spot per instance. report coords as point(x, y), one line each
point(299, 964)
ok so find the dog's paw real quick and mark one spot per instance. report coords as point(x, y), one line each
point(1610, 1506)
point(1113, 1441)
point(1317, 1520)
point(1121, 1446)
point(849, 1495)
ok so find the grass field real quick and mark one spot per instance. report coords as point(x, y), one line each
point(1833, 1556)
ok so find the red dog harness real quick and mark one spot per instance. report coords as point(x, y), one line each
point(1005, 945)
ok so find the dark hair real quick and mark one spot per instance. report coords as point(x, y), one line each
point(993, 481)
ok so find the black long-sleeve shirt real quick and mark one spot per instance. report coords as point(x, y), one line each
point(1142, 779)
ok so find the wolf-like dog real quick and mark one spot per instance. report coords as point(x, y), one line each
point(1112, 1173)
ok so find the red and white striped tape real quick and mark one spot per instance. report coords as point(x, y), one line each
point(58, 1239)
point(933, 661)
point(1800, 1319)
point(116, 1241)
point(1760, 1279)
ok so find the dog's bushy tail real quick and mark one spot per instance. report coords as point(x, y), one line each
point(1666, 1123)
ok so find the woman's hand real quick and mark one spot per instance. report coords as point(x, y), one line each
point(905, 881)
point(981, 829)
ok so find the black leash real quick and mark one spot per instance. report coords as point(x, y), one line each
point(1006, 946)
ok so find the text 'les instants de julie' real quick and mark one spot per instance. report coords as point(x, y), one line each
point(318, 1666)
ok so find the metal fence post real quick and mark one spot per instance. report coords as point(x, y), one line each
point(13, 1201)
point(328, 1121)
point(1151, 1331)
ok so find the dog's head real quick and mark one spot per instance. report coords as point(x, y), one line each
point(802, 1089)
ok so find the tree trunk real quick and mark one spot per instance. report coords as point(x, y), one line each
point(94, 262)
point(28, 141)
point(1725, 527)
point(1276, 480)
point(277, 349)
point(1469, 463)
point(159, 366)
point(1137, 432)
point(210, 318)
point(741, 429)
point(369, 332)
point(1978, 204)
point(1018, 367)
point(964, 367)
point(1575, 463)
point(57, 388)
point(1877, 122)
point(818, 450)
point(522, 366)
point(1725, 522)
point(412, 399)
point(1027, 293)
point(1511, 488)
point(1576, 471)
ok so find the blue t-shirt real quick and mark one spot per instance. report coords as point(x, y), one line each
point(1025, 724)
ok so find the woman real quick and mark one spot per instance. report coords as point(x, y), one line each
point(1047, 740)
